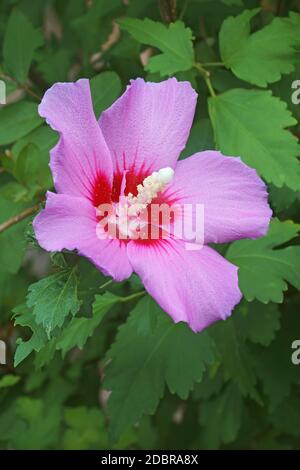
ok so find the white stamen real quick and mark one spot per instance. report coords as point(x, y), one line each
point(166, 175)
point(149, 189)
point(127, 215)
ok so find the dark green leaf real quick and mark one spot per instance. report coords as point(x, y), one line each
point(20, 42)
point(170, 354)
point(105, 89)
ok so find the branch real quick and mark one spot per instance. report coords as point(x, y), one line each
point(24, 88)
point(19, 217)
point(168, 10)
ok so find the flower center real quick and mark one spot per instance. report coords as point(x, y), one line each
point(129, 217)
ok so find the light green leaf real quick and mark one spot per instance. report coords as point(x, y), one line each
point(251, 124)
point(175, 43)
point(16, 120)
point(262, 57)
point(34, 425)
point(264, 267)
point(105, 89)
point(85, 429)
point(9, 380)
point(142, 364)
point(20, 42)
point(54, 298)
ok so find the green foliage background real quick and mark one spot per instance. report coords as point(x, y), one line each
point(72, 336)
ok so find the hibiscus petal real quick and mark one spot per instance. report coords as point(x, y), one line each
point(234, 197)
point(147, 127)
point(81, 157)
point(198, 287)
point(70, 222)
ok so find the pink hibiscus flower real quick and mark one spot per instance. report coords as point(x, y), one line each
point(141, 135)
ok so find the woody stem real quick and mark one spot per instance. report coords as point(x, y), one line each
point(18, 218)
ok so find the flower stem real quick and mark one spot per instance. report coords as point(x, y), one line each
point(206, 76)
point(107, 283)
point(132, 296)
point(213, 64)
point(183, 10)
point(209, 86)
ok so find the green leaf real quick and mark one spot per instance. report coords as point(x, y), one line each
point(105, 89)
point(221, 417)
point(85, 429)
point(274, 364)
point(20, 42)
point(16, 120)
point(265, 268)
point(250, 124)
point(12, 241)
point(54, 298)
point(258, 322)
point(142, 364)
point(43, 139)
point(175, 43)
point(235, 356)
point(9, 380)
point(45, 354)
point(24, 317)
point(200, 138)
point(27, 165)
point(34, 425)
point(79, 329)
point(282, 198)
point(262, 57)
point(286, 417)
point(94, 27)
point(32, 170)
point(233, 2)
point(55, 65)
point(288, 90)
point(14, 192)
